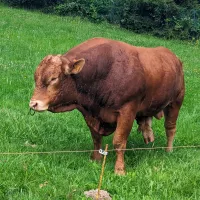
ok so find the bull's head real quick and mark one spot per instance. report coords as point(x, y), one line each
point(54, 85)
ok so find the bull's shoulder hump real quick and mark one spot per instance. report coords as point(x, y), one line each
point(88, 44)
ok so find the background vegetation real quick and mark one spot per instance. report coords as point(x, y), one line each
point(166, 18)
point(26, 37)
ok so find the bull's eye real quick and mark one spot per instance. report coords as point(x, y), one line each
point(53, 80)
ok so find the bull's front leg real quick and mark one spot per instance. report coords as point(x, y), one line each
point(97, 140)
point(94, 126)
point(124, 125)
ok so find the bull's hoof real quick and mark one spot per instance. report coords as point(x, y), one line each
point(169, 149)
point(120, 172)
point(96, 156)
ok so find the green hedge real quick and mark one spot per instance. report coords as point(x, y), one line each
point(31, 3)
point(166, 18)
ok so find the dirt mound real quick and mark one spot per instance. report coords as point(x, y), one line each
point(104, 195)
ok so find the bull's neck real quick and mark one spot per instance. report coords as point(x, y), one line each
point(87, 103)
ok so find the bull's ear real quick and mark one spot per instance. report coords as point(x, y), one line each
point(77, 66)
point(73, 67)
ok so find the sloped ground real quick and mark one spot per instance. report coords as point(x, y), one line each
point(26, 37)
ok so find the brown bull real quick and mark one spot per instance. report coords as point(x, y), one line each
point(112, 83)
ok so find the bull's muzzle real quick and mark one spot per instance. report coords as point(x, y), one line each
point(38, 105)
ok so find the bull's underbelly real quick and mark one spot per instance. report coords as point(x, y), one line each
point(151, 108)
point(107, 119)
point(149, 112)
point(109, 115)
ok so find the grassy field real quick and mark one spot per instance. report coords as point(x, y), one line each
point(25, 38)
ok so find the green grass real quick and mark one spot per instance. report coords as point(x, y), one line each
point(25, 38)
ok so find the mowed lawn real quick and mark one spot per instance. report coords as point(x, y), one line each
point(25, 38)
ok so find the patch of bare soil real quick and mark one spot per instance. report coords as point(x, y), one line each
point(104, 195)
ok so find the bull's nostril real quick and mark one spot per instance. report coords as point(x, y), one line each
point(33, 104)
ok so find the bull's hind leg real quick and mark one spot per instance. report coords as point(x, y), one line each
point(171, 114)
point(145, 124)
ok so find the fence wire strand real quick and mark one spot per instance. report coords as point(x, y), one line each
point(89, 151)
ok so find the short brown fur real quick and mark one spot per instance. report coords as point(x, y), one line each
point(112, 83)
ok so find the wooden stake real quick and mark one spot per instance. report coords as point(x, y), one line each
point(102, 171)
